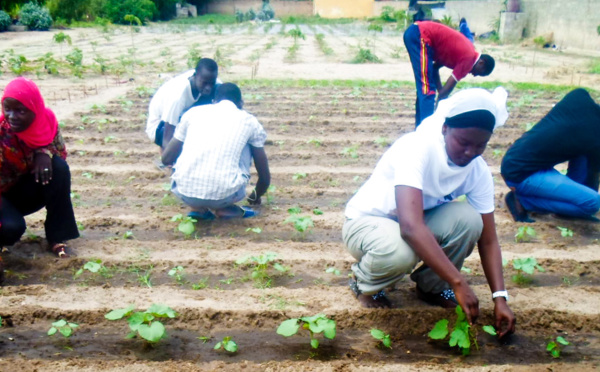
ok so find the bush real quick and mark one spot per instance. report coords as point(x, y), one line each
point(74, 10)
point(116, 10)
point(5, 21)
point(250, 15)
point(35, 17)
point(239, 16)
point(166, 9)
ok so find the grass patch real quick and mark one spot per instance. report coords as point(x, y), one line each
point(207, 19)
point(595, 66)
point(315, 20)
point(309, 83)
point(365, 56)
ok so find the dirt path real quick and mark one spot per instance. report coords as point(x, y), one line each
point(116, 189)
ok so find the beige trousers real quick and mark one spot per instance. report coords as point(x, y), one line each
point(384, 258)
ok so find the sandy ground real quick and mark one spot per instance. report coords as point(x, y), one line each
point(117, 189)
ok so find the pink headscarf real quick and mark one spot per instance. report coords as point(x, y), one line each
point(44, 127)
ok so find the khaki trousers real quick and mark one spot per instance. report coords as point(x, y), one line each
point(384, 258)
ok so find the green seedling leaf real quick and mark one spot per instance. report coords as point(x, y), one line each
point(288, 327)
point(231, 346)
point(317, 212)
point(299, 176)
point(52, 331)
point(294, 210)
point(119, 313)
point(465, 269)
point(314, 343)
point(218, 345)
point(60, 323)
point(65, 331)
point(489, 329)
point(153, 332)
point(440, 330)
point(562, 341)
point(186, 227)
point(565, 232)
point(162, 311)
point(256, 230)
point(332, 270)
point(377, 333)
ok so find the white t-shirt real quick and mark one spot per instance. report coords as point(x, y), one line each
point(214, 137)
point(170, 101)
point(420, 161)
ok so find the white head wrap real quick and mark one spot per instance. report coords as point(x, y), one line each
point(464, 101)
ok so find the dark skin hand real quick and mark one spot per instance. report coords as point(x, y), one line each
point(446, 89)
point(264, 175)
point(42, 168)
point(409, 203)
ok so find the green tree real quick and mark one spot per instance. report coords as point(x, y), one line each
point(116, 10)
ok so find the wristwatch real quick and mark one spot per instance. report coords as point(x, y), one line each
point(503, 293)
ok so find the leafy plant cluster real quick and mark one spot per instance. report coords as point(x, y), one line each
point(525, 234)
point(555, 346)
point(365, 55)
point(525, 266)
point(35, 17)
point(326, 49)
point(302, 224)
point(462, 334)
point(260, 267)
point(265, 13)
point(5, 21)
point(144, 323)
point(186, 224)
point(316, 324)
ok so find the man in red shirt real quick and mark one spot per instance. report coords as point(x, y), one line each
point(430, 46)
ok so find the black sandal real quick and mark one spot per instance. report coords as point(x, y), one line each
point(378, 297)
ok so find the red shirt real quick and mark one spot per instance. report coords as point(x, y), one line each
point(450, 48)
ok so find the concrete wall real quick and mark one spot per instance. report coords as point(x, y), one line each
point(573, 22)
point(281, 8)
point(344, 8)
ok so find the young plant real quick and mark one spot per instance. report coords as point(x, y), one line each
point(319, 323)
point(95, 266)
point(525, 266)
point(144, 324)
point(227, 344)
point(63, 327)
point(260, 267)
point(351, 151)
point(61, 38)
point(555, 347)
point(186, 224)
point(256, 230)
point(565, 232)
point(462, 335)
point(301, 223)
point(332, 270)
point(299, 176)
point(385, 339)
point(177, 273)
point(382, 141)
point(525, 234)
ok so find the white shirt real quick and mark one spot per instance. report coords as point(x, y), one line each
point(420, 160)
point(214, 137)
point(170, 102)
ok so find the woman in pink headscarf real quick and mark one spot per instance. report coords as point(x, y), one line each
point(33, 171)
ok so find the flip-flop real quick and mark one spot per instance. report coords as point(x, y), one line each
point(199, 216)
point(246, 212)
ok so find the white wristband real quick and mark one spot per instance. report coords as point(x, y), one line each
point(500, 294)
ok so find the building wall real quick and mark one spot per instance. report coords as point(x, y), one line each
point(344, 8)
point(573, 22)
point(281, 8)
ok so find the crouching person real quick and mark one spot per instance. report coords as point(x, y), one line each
point(406, 213)
point(212, 150)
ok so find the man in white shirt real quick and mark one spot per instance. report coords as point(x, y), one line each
point(405, 212)
point(176, 96)
point(212, 149)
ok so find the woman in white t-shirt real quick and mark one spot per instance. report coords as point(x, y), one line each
point(406, 213)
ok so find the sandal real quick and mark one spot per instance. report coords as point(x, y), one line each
point(59, 249)
point(237, 212)
point(445, 298)
point(202, 216)
point(518, 214)
point(378, 297)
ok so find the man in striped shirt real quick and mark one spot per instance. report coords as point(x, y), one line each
point(212, 149)
point(432, 45)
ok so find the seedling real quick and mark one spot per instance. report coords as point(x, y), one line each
point(260, 267)
point(382, 141)
point(128, 235)
point(315, 142)
point(302, 224)
point(317, 212)
point(186, 224)
point(88, 175)
point(565, 232)
point(525, 234)
point(497, 153)
point(95, 266)
point(202, 283)
point(177, 273)
point(144, 324)
point(555, 347)
point(385, 339)
point(351, 151)
point(63, 327)
point(462, 334)
point(227, 344)
point(332, 270)
point(299, 176)
point(525, 266)
point(319, 323)
point(256, 230)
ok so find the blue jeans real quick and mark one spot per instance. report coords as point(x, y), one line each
point(549, 191)
point(421, 59)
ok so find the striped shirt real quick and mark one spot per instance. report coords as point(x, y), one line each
point(214, 137)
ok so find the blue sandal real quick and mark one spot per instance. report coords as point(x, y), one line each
point(205, 216)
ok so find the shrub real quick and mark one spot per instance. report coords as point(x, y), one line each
point(5, 21)
point(165, 8)
point(116, 10)
point(35, 17)
point(250, 15)
point(73, 10)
